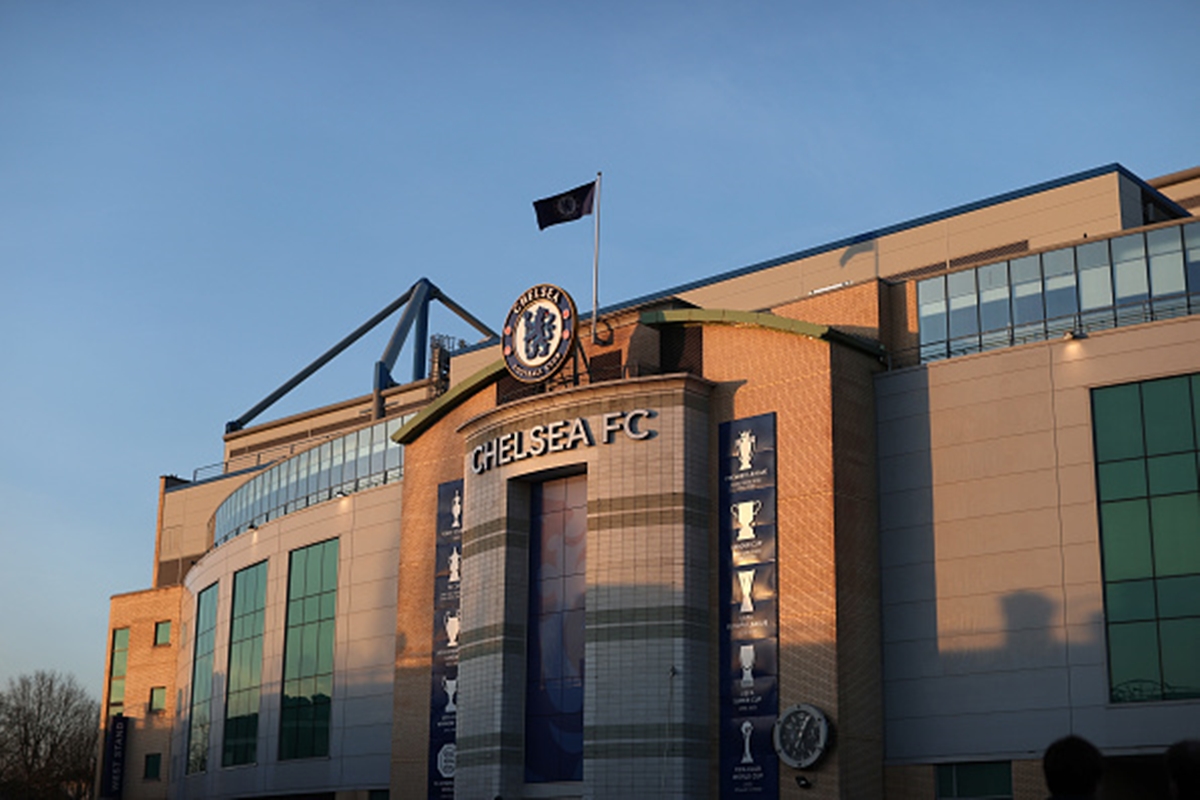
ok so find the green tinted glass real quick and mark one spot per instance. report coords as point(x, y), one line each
point(1172, 474)
point(1179, 597)
point(121, 639)
point(162, 633)
point(1133, 661)
point(1129, 601)
point(1176, 533)
point(1126, 536)
point(1168, 415)
point(1117, 415)
point(1122, 480)
point(1180, 658)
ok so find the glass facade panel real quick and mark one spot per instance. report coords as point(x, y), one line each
point(202, 680)
point(351, 463)
point(991, 780)
point(158, 698)
point(933, 326)
point(118, 661)
point(162, 633)
point(152, 769)
point(1150, 536)
point(555, 659)
point(240, 743)
point(308, 651)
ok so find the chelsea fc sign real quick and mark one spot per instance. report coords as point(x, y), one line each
point(539, 333)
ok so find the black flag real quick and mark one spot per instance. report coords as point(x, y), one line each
point(565, 207)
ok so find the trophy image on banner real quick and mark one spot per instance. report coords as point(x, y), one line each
point(745, 513)
point(747, 729)
point(745, 449)
point(746, 656)
point(452, 627)
point(456, 510)
point(746, 581)
point(454, 561)
point(451, 687)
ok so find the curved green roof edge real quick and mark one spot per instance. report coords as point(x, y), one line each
point(447, 402)
point(718, 316)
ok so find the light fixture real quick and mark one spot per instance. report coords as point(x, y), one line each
point(803, 782)
point(339, 493)
point(1073, 334)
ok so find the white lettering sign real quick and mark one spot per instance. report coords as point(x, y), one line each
point(559, 436)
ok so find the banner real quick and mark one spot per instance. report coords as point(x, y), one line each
point(443, 706)
point(749, 609)
point(113, 777)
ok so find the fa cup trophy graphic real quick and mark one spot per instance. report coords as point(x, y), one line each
point(456, 509)
point(746, 581)
point(452, 626)
point(746, 656)
point(747, 729)
point(745, 449)
point(451, 687)
point(454, 562)
point(744, 513)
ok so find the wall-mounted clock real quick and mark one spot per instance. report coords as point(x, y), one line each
point(801, 735)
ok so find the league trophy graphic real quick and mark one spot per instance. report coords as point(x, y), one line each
point(452, 627)
point(451, 687)
point(455, 562)
point(747, 729)
point(746, 581)
point(745, 443)
point(745, 513)
point(456, 510)
point(746, 656)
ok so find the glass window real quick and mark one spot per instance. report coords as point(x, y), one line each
point(960, 287)
point(1130, 279)
point(555, 657)
point(1062, 305)
point(1026, 290)
point(991, 780)
point(1191, 256)
point(993, 302)
point(162, 633)
point(158, 698)
point(202, 680)
point(308, 651)
point(1150, 536)
point(240, 743)
point(1166, 262)
point(152, 771)
point(118, 661)
point(1095, 284)
point(931, 307)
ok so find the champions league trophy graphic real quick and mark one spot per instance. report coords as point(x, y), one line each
point(452, 627)
point(454, 561)
point(456, 510)
point(747, 729)
point(745, 512)
point(746, 581)
point(451, 687)
point(746, 656)
point(745, 449)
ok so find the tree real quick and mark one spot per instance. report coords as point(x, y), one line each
point(48, 732)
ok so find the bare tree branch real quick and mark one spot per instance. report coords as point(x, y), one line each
point(47, 737)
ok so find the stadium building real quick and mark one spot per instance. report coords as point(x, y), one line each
point(882, 518)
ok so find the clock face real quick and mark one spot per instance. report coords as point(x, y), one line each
point(801, 734)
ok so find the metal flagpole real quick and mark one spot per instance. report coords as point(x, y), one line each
point(596, 261)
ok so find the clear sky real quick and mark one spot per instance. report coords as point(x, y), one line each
point(197, 199)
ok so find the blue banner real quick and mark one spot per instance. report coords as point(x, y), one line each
point(443, 702)
point(749, 608)
point(113, 777)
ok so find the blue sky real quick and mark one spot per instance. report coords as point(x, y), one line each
point(197, 199)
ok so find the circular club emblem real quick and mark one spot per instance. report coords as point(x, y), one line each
point(539, 333)
point(447, 760)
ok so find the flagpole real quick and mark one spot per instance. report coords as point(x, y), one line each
point(596, 261)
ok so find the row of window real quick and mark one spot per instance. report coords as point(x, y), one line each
point(307, 664)
point(1126, 280)
point(360, 460)
point(119, 661)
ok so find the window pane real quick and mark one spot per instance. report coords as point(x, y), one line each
point(1129, 601)
point(1059, 269)
point(931, 304)
point(1172, 474)
point(1117, 420)
point(1026, 290)
point(1095, 278)
point(1167, 407)
point(960, 287)
point(1179, 597)
point(1176, 534)
point(1180, 658)
point(1133, 661)
point(985, 780)
point(1125, 528)
point(1122, 480)
point(993, 297)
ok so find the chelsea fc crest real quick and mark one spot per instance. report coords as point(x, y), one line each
point(539, 333)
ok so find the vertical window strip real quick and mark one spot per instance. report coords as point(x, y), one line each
point(1146, 471)
point(240, 742)
point(309, 651)
point(200, 718)
point(118, 662)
